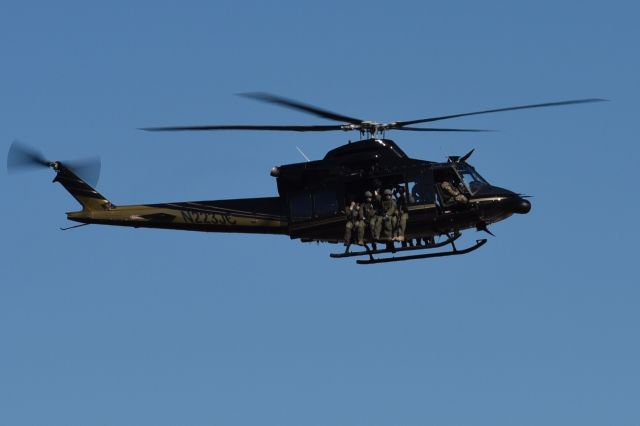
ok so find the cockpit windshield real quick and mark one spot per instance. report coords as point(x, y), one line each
point(472, 180)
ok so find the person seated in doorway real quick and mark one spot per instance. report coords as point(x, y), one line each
point(402, 202)
point(355, 220)
point(370, 216)
point(389, 216)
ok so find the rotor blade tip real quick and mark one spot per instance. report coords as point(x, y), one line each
point(256, 95)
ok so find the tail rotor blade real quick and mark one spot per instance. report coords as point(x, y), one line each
point(88, 169)
point(22, 157)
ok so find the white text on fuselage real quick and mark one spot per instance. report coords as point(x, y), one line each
point(207, 218)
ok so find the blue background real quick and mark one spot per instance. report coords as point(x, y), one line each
point(109, 326)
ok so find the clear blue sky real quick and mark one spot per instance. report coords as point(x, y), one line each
point(116, 326)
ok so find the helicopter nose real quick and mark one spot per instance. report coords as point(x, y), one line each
point(522, 206)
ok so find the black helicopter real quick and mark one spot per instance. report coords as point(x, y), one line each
point(314, 195)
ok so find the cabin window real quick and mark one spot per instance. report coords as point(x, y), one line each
point(472, 180)
point(421, 189)
point(416, 192)
point(301, 206)
point(448, 175)
point(325, 202)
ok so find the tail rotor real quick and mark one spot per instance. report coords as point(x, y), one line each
point(22, 157)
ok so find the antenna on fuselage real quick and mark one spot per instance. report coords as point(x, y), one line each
point(303, 154)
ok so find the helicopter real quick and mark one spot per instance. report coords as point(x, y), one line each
point(313, 196)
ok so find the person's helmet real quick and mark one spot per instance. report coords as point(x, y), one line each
point(387, 192)
point(368, 194)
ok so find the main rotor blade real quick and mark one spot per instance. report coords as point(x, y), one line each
point(289, 103)
point(437, 129)
point(22, 156)
point(245, 127)
point(400, 124)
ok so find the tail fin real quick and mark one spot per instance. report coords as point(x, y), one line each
point(88, 197)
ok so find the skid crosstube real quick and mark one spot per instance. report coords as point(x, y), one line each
point(369, 252)
point(454, 252)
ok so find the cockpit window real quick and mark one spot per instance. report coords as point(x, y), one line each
point(472, 180)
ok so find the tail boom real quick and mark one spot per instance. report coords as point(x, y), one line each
point(203, 216)
point(249, 215)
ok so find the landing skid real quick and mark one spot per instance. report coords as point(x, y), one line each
point(454, 252)
point(369, 252)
